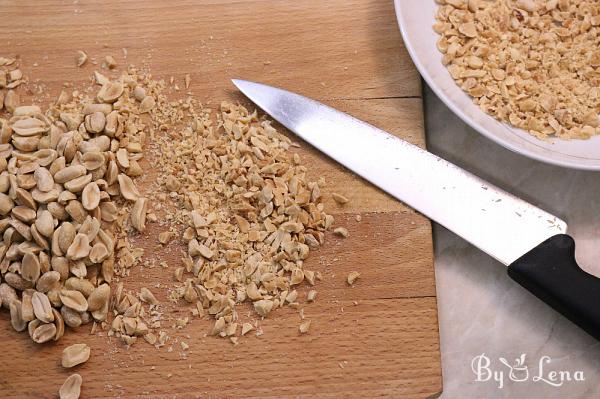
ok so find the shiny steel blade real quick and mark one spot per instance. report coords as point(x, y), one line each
point(493, 220)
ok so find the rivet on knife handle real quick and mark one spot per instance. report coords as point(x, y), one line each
point(550, 272)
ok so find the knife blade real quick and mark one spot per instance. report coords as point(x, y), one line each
point(529, 240)
point(458, 200)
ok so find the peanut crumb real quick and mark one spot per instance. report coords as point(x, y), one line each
point(352, 277)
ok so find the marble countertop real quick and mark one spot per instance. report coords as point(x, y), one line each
point(485, 316)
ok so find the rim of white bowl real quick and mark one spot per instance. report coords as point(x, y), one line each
point(469, 121)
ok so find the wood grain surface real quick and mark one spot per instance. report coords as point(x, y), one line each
point(376, 339)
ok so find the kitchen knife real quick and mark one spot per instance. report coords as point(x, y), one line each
point(530, 241)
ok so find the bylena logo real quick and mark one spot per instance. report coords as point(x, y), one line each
point(518, 371)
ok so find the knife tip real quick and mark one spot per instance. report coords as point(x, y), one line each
point(238, 82)
point(245, 86)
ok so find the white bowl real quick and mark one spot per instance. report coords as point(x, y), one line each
point(416, 19)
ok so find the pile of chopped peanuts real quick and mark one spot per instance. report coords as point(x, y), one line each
point(531, 63)
point(75, 198)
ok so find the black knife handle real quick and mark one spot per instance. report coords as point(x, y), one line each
point(550, 272)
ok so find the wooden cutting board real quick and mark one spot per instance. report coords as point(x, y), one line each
point(376, 339)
